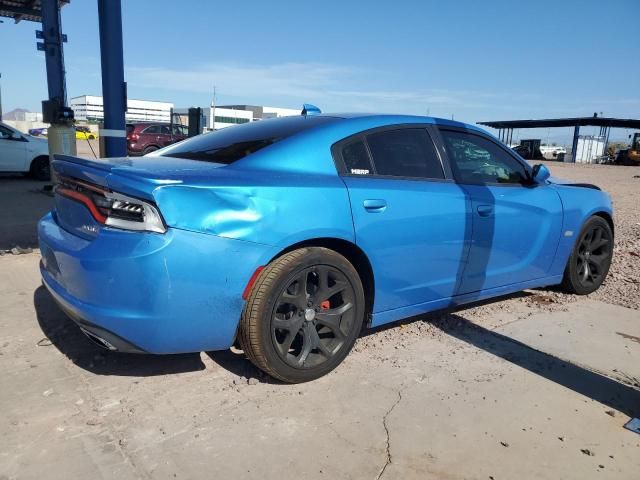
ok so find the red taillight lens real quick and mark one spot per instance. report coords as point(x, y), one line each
point(111, 208)
point(85, 199)
point(133, 137)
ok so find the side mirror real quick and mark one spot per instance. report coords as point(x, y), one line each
point(540, 173)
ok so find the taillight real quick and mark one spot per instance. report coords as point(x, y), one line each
point(133, 137)
point(112, 208)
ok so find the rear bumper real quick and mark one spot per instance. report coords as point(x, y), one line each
point(144, 292)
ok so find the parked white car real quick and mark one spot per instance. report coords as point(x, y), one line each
point(550, 152)
point(20, 152)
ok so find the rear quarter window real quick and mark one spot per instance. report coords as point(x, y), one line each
point(356, 158)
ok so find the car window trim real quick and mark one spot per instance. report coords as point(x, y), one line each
point(528, 168)
point(336, 152)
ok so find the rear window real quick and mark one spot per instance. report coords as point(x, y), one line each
point(233, 143)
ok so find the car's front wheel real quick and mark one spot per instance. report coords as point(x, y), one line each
point(303, 315)
point(590, 259)
point(40, 168)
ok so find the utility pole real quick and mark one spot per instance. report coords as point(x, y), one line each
point(212, 111)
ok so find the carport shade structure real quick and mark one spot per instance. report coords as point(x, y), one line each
point(113, 86)
point(505, 127)
point(28, 10)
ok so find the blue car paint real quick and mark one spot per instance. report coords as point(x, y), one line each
point(417, 253)
point(165, 293)
point(181, 291)
point(516, 233)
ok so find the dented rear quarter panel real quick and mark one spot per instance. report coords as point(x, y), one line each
point(272, 208)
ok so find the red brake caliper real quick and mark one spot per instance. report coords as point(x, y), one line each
point(325, 305)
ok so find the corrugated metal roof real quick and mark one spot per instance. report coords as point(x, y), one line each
point(566, 122)
point(28, 10)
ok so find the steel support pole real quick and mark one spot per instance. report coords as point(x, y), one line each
point(574, 148)
point(113, 86)
point(53, 53)
point(62, 139)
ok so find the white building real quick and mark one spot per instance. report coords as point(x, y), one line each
point(226, 117)
point(217, 117)
point(89, 108)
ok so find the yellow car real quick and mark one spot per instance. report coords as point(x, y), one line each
point(83, 133)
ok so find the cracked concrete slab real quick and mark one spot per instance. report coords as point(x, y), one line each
point(594, 334)
point(451, 397)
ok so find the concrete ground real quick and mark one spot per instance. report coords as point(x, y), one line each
point(536, 385)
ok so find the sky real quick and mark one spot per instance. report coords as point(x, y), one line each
point(473, 60)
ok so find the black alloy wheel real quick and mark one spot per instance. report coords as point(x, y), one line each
point(303, 315)
point(591, 257)
point(312, 316)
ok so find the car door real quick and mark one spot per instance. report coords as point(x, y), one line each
point(165, 137)
point(13, 150)
point(516, 222)
point(410, 217)
point(151, 136)
point(178, 133)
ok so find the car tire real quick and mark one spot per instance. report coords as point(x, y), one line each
point(303, 315)
point(590, 258)
point(92, 137)
point(40, 169)
point(149, 150)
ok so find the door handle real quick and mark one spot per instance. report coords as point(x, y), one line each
point(375, 205)
point(485, 210)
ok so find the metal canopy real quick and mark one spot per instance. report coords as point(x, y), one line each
point(28, 10)
point(565, 122)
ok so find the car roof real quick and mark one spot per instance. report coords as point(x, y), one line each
point(402, 118)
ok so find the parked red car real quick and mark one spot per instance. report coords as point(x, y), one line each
point(145, 137)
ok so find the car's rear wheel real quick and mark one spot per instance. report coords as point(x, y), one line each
point(40, 169)
point(590, 259)
point(149, 150)
point(303, 315)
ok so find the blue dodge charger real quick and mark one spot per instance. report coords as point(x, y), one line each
point(289, 235)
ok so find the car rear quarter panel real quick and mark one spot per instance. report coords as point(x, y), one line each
point(579, 204)
point(271, 208)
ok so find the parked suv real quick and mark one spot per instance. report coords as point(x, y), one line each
point(143, 138)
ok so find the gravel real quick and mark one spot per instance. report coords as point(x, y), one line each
point(622, 286)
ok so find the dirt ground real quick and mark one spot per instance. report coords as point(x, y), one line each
point(536, 385)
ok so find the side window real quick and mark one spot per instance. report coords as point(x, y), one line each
point(475, 159)
point(152, 129)
point(406, 152)
point(165, 130)
point(5, 132)
point(356, 158)
point(180, 130)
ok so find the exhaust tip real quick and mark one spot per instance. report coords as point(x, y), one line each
point(101, 342)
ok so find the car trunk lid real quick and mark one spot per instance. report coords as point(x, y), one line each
point(137, 177)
